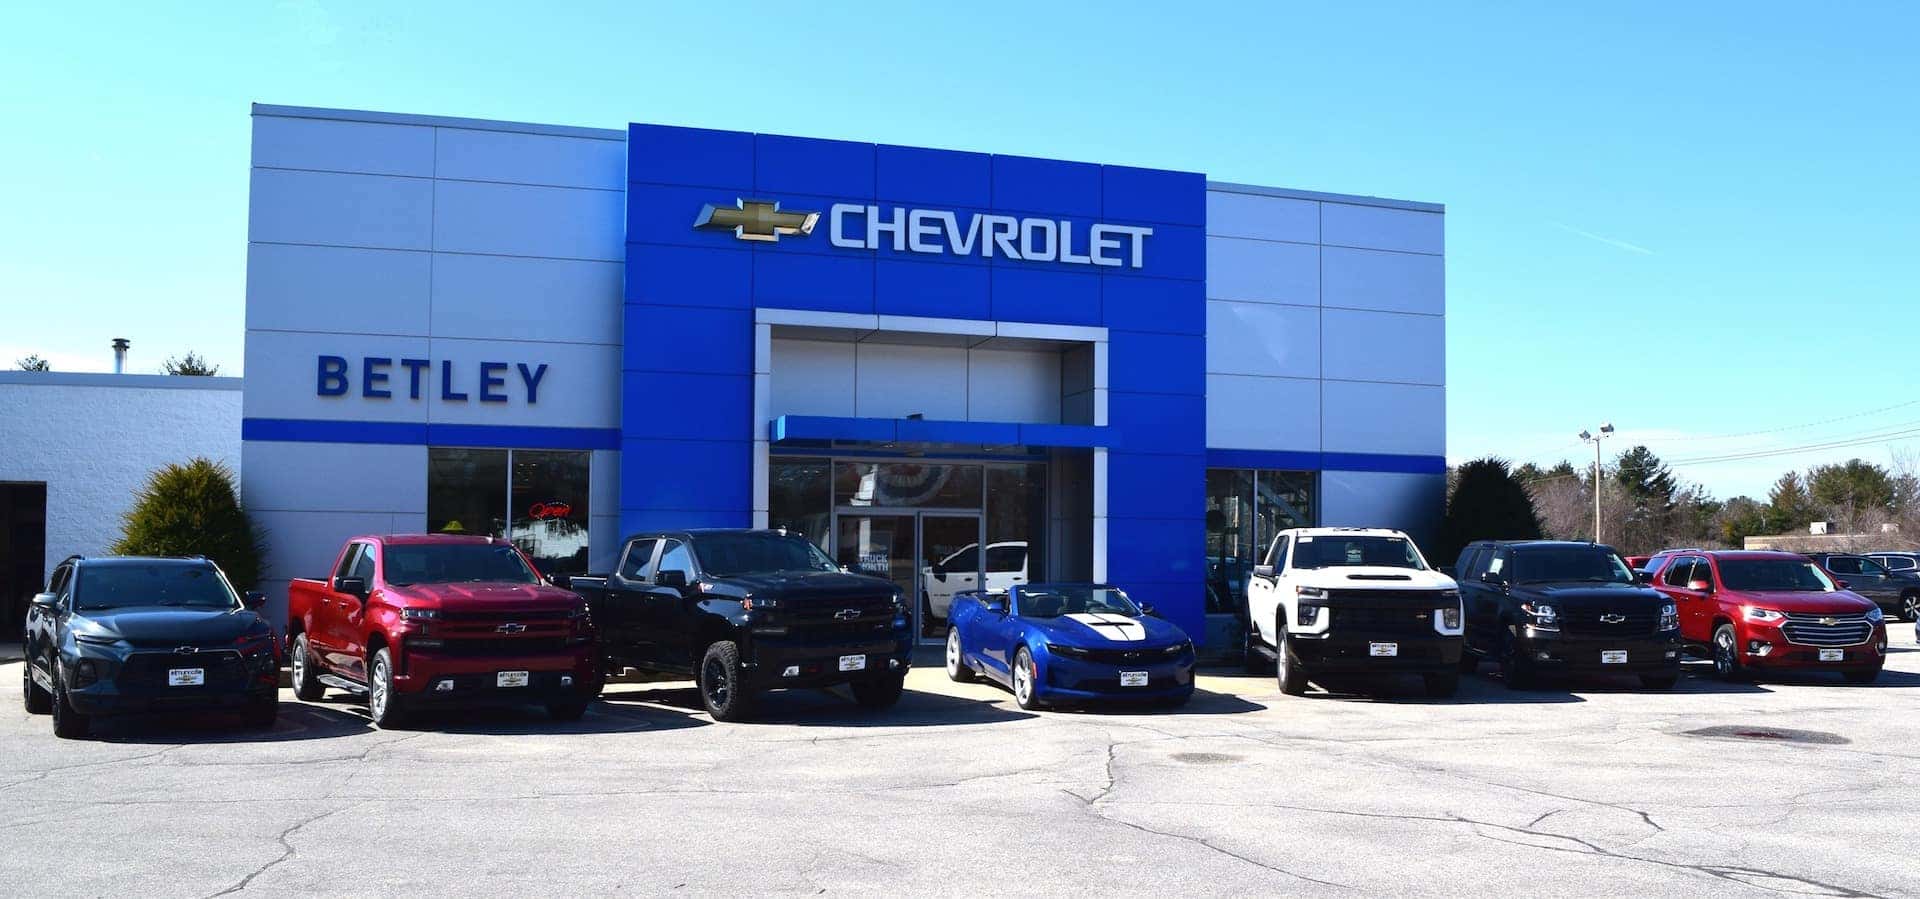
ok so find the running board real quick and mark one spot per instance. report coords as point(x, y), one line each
point(340, 683)
point(1266, 652)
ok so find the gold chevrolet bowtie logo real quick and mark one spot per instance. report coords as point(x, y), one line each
point(757, 220)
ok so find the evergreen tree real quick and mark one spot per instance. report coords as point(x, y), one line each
point(190, 364)
point(1853, 487)
point(1648, 484)
point(1488, 503)
point(1789, 506)
point(193, 509)
point(33, 362)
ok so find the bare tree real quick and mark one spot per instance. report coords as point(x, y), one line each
point(34, 362)
point(190, 364)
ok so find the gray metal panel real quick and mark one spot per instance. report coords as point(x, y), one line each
point(394, 118)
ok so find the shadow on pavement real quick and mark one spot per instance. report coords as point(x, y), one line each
point(298, 721)
point(831, 707)
point(1204, 702)
point(515, 720)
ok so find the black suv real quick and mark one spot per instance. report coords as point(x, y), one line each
point(745, 611)
point(1895, 592)
point(1536, 606)
point(122, 635)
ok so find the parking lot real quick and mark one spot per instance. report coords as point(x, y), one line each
point(1803, 787)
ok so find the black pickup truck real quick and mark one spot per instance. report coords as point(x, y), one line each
point(746, 611)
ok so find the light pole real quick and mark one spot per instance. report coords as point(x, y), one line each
point(1606, 430)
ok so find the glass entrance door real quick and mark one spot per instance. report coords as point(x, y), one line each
point(929, 555)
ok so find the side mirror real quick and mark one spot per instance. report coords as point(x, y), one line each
point(352, 586)
point(1263, 571)
point(254, 600)
point(1844, 584)
point(563, 581)
point(1494, 579)
point(1146, 608)
point(995, 604)
point(1644, 577)
point(672, 577)
point(1700, 586)
point(46, 600)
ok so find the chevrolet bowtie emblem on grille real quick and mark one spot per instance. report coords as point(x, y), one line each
point(847, 614)
point(510, 628)
point(1829, 621)
point(186, 650)
point(1612, 618)
point(757, 220)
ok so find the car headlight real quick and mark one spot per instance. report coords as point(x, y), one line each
point(1755, 613)
point(1177, 649)
point(1544, 615)
point(577, 612)
point(1071, 652)
point(1875, 615)
point(1309, 615)
point(1450, 618)
point(417, 614)
point(96, 639)
point(1669, 617)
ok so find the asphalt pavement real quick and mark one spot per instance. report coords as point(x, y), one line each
point(1803, 787)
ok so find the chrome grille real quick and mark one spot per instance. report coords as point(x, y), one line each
point(1809, 629)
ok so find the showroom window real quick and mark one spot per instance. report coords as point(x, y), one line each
point(1245, 509)
point(536, 498)
point(800, 498)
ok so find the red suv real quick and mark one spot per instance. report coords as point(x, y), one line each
point(1771, 611)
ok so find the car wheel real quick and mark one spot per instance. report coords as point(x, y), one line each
point(1025, 691)
point(36, 700)
point(1443, 684)
point(304, 674)
point(881, 693)
point(1726, 654)
point(1287, 671)
point(386, 707)
point(1863, 677)
point(1910, 607)
point(263, 712)
point(572, 708)
point(1469, 663)
point(1515, 669)
point(722, 688)
point(68, 723)
point(1659, 681)
point(957, 670)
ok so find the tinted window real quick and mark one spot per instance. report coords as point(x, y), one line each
point(725, 555)
point(1762, 575)
point(1898, 563)
point(1561, 564)
point(1870, 568)
point(965, 560)
point(151, 584)
point(1843, 565)
point(347, 559)
point(639, 555)
point(1005, 559)
point(1279, 558)
point(362, 567)
point(1322, 551)
point(429, 563)
point(1053, 602)
point(1677, 573)
point(676, 558)
point(1469, 563)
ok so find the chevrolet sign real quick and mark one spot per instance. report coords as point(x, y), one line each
point(938, 231)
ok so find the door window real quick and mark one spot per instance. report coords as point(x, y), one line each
point(1676, 575)
point(639, 557)
point(1898, 563)
point(345, 569)
point(676, 557)
point(1870, 568)
point(1843, 565)
point(1278, 557)
point(363, 565)
point(1006, 559)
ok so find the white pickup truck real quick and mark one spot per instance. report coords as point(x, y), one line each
point(1352, 601)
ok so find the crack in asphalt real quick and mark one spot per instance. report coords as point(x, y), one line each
point(287, 850)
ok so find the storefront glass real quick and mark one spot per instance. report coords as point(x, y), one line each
point(536, 498)
point(1245, 508)
point(907, 484)
point(467, 491)
point(799, 498)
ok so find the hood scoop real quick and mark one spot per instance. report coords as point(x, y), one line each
point(1379, 577)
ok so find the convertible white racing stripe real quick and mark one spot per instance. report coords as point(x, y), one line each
point(1118, 628)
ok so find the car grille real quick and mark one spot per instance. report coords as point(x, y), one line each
point(1401, 620)
point(1598, 623)
point(494, 615)
point(1124, 656)
point(487, 647)
point(1397, 599)
point(828, 620)
point(1826, 630)
point(142, 671)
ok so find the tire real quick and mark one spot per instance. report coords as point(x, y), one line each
point(957, 670)
point(1910, 607)
point(1659, 681)
point(35, 700)
point(1025, 691)
point(262, 713)
point(1442, 685)
point(880, 693)
point(1726, 655)
point(388, 710)
point(572, 708)
point(1469, 663)
point(68, 724)
point(1863, 677)
point(1287, 672)
point(722, 686)
point(1515, 669)
point(305, 676)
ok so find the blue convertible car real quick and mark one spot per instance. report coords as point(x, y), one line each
point(1068, 643)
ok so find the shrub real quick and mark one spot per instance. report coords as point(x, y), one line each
point(1488, 503)
point(193, 509)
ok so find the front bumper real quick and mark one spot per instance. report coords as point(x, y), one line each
point(428, 677)
point(233, 682)
point(1585, 654)
point(1351, 652)
point(1775, 653)
point(775, 664)
point(1060, 678)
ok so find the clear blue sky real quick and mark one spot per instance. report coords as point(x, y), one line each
point(1692, 219)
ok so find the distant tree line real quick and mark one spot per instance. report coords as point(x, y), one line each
point(190, 364)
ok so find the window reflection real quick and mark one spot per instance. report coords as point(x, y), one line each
point(549, 506)
point(1245, 509)
point(907, 484)
point(467, 491)
point(799, 498)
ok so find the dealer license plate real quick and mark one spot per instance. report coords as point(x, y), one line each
point(853, 663)
point(1833, 655)
point(186, 677)
point(511, 679)
point(1613, 657)
point(1133, 678)
point(1383, 650)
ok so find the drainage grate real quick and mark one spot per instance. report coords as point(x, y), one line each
point(1767, 734)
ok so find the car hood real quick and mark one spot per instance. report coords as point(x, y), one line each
point(1838, 602)
point(1372, 577)
point(143, 625)
point(1575, 596)
point(1102, 631)
point(805, 585)
point(485, 597)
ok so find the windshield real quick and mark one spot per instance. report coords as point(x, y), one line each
point(456, 563)
point(1336, 552)
point(1053, 602)
point(1777, 575)
point(1589, 565)
point(727, 555)
point(155, 584)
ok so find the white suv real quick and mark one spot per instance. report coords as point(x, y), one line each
point(1352, 601)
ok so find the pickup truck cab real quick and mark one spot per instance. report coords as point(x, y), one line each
point(440, 619)
point(1539, 606)
point(1353, 601)
point(746, 611)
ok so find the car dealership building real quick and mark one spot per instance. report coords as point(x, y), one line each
point(943, 367)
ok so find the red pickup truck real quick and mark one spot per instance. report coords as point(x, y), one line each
point(410, 621)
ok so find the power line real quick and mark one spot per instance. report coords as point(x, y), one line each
point(1811, 424)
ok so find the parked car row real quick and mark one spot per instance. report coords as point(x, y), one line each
point(411, 622)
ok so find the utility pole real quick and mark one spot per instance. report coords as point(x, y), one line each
point(1606, 430)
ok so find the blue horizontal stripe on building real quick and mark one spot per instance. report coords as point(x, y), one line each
point(307, 430)
point(1302, 460)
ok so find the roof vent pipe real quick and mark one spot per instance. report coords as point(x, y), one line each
point(120, 345)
